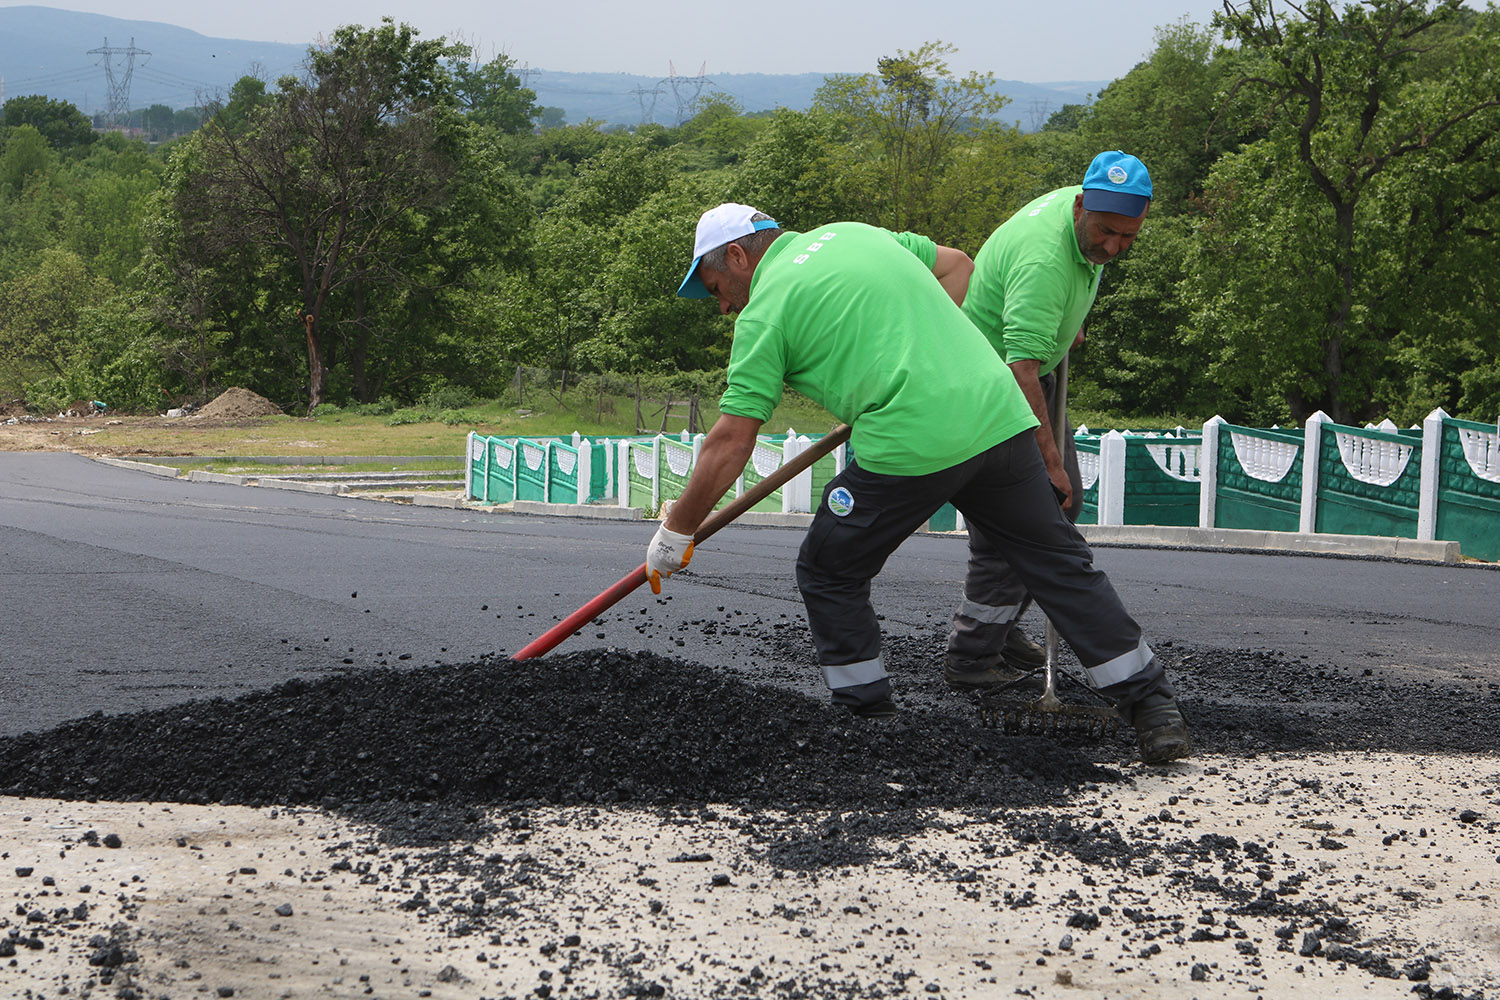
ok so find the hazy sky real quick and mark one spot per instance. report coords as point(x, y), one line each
point(1035, 41)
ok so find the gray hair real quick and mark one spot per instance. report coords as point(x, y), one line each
point(753, 244)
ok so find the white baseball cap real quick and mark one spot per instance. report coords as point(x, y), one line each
point(716, 227)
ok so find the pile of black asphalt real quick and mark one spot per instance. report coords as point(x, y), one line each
point(425, 751)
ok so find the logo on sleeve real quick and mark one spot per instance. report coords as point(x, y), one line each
point(840, 502)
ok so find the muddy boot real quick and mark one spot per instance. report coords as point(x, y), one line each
point(1160, 730)
point(963, 674)
point(1020, 653)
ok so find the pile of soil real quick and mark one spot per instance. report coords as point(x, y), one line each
point(234, 403)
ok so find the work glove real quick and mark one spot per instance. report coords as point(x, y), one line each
point(668, 552)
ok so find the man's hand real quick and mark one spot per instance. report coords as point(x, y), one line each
point(668, 552)
point(1062, 486)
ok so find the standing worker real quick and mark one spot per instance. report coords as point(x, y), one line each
point(1034, 282)
point(850, 316)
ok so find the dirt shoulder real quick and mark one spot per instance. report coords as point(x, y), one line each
point(1315, 876)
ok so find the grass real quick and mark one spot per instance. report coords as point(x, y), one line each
point(216, 445)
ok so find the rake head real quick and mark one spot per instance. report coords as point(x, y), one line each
point(1046, 716)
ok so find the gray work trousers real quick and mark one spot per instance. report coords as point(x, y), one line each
point(1005, 492)
point(987, 612)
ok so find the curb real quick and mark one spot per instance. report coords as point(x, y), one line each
point(156, 470)
point(1295, 542)
point(606, 512)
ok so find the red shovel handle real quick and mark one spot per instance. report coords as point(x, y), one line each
point(710, 525)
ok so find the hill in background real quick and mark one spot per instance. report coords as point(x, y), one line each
point(49, 52)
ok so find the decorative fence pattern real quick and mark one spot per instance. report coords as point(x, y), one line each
point(1438, 482)
point(501, 469)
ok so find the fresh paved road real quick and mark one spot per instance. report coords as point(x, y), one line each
point(120, 590)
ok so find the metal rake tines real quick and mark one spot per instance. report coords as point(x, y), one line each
point(1049, 719)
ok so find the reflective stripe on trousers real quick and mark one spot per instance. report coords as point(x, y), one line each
point(845, 675)
point(1122, 667)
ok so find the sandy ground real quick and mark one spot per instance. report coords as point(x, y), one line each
point(1385, 855)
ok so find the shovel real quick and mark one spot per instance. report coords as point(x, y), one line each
point(710, 525)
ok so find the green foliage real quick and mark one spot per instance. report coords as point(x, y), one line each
point(1359, 219)
point(491, 94)
point(28, 158)
point(60, 123)
point(917, 139)
point(1325, 202)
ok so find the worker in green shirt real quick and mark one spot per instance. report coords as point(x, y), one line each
point(850, 316)
point(1034, 282)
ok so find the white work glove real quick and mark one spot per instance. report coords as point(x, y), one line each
point(668, 552)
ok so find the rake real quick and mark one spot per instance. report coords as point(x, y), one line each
point(711, 524)
point(1049, 714)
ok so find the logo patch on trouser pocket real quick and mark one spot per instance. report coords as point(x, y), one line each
point(840, 502)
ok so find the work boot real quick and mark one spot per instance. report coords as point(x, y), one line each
point(883, 710)
point(964, 674)
point(1160, 730)
point(1020, 652)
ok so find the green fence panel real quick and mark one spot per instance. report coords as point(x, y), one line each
point(1162, 484)
point(1259, 479)
point(1468, 495)
point(531, 470)
point(500, 473)
point(1369, 482)
point(1087, 446)
point(823, 472)
point(674, 467)
point(478, 445)
point(562, 474)
point(767, 457)
point(638, 477)
point(946, 519)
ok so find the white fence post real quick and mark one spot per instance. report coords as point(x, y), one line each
point(1208, 492)
point(585, 470)
point(1432, 444)
point(1312, 447)
point(656, 468)
point(469, 465)
point(1112, 478)
point(622, 472)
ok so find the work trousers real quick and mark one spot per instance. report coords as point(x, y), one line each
point(1005, 492)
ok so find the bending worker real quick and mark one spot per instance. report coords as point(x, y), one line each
point(1034, 282)
point(850, 316)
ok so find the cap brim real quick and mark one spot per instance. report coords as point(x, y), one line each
point(692, 285)
point(1117, 202)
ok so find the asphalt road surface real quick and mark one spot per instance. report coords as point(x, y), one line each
point(120, 590)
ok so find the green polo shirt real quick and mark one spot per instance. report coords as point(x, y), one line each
point(1032, 288)
point(851, 316)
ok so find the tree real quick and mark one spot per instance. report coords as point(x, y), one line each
point(60, 123)
point(1319, 234)
point(491, 94)
point(41, 311)
point(26, 156)
point(913, 129)
point(330, 179)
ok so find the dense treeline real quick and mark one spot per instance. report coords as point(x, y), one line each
point(392, 221)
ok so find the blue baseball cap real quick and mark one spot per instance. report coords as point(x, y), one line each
point(1117, 182)
point(719, 225)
